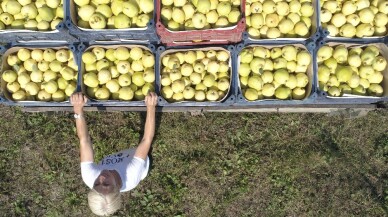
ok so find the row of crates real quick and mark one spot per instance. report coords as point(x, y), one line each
point(156, 31)
point(233, 95)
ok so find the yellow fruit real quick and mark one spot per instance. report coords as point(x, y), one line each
point(348, 8)
point(9, 76)
point(273, 33)
point(122, 21)
point(272, 20)
point(324, 53)
point(344, 73)
point(334, 91)
point(281, 76)
point(301, 29)
point(325, 16)
point(307, 9)
point(298, 93)
point(376, 90)
point(366, 15)
point(138, 79)
point(58, 96)
point(302, 80)
point(286, 25)
point(282, 93)
point(303, 58)
point(251, 94)
point(89, 58)
point(255, 82)
point(19, 95)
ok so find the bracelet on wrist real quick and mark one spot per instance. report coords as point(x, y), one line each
point(78, 116)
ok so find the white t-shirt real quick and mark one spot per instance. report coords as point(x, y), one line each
point(130, 168)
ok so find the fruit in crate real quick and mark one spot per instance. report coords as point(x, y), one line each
point(274, 73)
point(199, 14)
point(279, 19)
point(121, 73)
point(195, 75)
point(43, 15)
point(355, 19)
point(46, 74)
point(114, 14)
point(351, 70)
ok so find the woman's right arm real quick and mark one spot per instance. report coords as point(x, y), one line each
point(78, 101)
point(149, 128)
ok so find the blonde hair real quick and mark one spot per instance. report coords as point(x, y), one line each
point(104, 205)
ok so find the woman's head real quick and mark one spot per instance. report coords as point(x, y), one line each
point(104, 199)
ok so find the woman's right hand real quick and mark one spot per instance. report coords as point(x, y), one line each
point(151, 100)
point(78, 100)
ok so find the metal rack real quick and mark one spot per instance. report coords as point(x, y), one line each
point(77, 39)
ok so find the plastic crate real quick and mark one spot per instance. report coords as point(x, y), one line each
point(326, 33)
point(227, 100)
point(10, 49)
point(226, 35)
point(61, 34)
point(95, 102)
point(313, 36)
point(310, 95)
point(352, 98)
point(146, 34)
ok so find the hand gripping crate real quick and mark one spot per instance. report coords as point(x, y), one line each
point(145, 34)
point(227, 35)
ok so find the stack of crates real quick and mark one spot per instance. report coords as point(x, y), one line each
point(204, 53)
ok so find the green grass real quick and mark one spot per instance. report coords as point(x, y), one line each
point(218, 164)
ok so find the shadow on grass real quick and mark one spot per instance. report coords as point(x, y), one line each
point(332, 145)
point(381, 150)
point(381, 146)
point(368, 176)
point(373, 187)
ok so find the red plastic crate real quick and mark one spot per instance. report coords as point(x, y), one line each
point(224, 35)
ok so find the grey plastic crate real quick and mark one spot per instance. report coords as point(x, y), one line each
point(6, 99)
point(229, 98)
point(139, 35)
point(23, 35)
point(326, 34)
point(324, 98)
point(311, 94)
point(314, 32)
point(109, 44)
